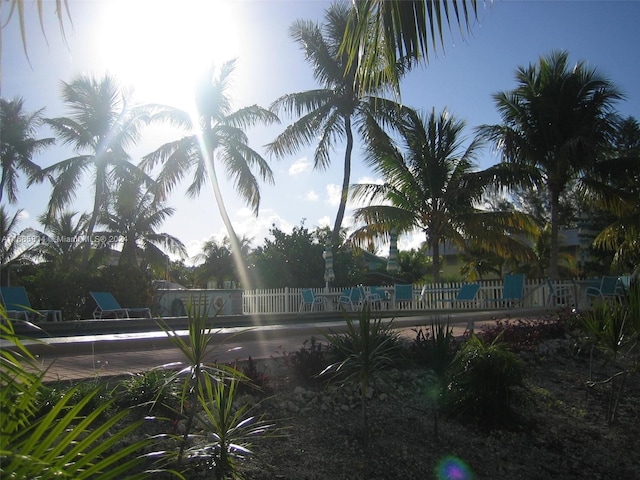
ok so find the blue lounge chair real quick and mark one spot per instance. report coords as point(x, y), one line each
point(512, 290)
point(310, 299)
point(108, 306)
point(16, 303)
point(467, 293)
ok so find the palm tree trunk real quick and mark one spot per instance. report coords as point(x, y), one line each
point(236, 247)
point(555, 228)
point(98, 201)
point(335, 235)
point(435, 248)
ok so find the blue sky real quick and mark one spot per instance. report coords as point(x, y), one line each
point(158, 47)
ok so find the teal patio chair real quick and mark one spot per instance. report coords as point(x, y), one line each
point(16, 303)
point(608, 288)
point(108, 306)
point(466, 294)
point(378, 296)
point(512, 290)
point(402, 294)
point(310, 299)
point(561, 294)
point(352, 298)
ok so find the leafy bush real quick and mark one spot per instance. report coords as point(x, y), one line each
point(483, 380)
point(307, 362)
point(524, 334)
point(255, 379)
point(150, 389)
point(613, 328)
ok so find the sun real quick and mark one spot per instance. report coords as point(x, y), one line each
point(160, 48)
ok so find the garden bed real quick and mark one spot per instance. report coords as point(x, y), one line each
point(560, 429)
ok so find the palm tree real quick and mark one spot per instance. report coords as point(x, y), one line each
point(132, 218)
point(18, 145)
point(100, 128)
point(62, 246)
point(221, 141)
point(614, 187)
point(433, 187)
point(217, 261)
point(327, 113)
point(17, 7)
point(399, 30)
point(556, 120)
point(15, 247)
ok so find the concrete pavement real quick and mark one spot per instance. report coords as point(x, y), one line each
point(89, 356)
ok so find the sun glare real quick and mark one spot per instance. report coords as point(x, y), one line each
point(160, 48)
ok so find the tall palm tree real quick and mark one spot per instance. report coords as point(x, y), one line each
point(132, 218)
point(101, 126)
point(326, 114)
point(556, 120)
point(399, 30)
point(220, 143)
point(430, 184)
point(18, 145)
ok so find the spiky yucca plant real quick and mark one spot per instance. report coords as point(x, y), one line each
point(227, 429)
point(200, 366)
point(366, 349)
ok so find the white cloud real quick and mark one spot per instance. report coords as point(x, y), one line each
point(333, 193)
point(300, 166)
point(312, 196)
point(325, 221)
point(366, 179)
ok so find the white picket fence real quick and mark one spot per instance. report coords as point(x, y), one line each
point(426, 297)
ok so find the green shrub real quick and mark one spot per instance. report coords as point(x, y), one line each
point(150, 389)
point(483, 381)
point(613, 328)
point(524, 334)
point(308, 361)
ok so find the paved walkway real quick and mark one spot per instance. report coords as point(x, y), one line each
point(91, 356)
point(62, 364)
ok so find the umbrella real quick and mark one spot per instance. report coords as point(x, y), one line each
point(328, 264)
point(392, 263)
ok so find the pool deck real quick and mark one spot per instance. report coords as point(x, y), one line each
point(77, 357)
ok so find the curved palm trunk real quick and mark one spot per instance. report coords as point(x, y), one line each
point(435, 249)
point(2, 182)
point(555, 229)
point(335, 235)
point(98, 202)
point(236, 247)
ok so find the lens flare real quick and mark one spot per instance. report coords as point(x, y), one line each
point(452, 468)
